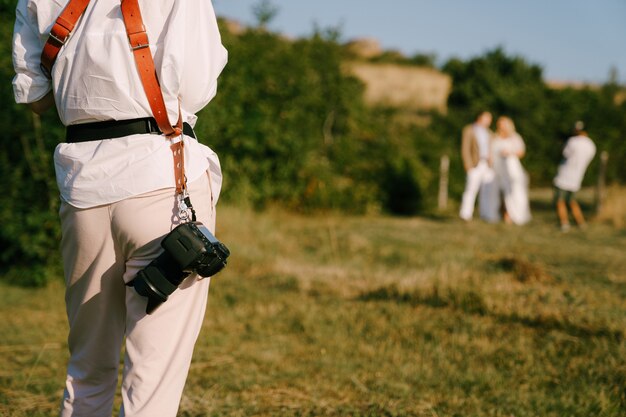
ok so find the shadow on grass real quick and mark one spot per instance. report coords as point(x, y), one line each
point(472, 302)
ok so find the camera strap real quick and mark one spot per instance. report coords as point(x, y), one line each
point(140, 46)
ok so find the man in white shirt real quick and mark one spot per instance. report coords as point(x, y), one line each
point(475, 151)
point(117, 186)
point(578, 152)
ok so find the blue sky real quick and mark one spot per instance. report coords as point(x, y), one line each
point(573, 40)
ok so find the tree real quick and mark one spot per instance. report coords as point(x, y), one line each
point(264, 12)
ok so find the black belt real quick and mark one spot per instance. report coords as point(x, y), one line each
point(112, 129)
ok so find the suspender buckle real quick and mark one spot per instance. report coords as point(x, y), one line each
point(134, 48)
point(59, 40)
point(138, 40)
point(60, 34)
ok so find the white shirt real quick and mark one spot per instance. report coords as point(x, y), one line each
point(482, 138)
point(577, 154)
point(95, 79)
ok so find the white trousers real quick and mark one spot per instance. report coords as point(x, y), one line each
point(480, 179)
point(103, 248)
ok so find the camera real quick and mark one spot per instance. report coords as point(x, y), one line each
point(189, 247)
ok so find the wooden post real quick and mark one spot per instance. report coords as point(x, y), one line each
point(444, 170)
point(601, 186)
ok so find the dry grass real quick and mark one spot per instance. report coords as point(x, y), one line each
point(613, 209)
point(375, 316)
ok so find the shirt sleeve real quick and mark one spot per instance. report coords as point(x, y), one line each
point(29, 84)
point(567, 150)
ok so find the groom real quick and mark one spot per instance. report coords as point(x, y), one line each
point(475, 150)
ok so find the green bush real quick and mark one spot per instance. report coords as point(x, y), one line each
point(30, 230)
point(293, 128)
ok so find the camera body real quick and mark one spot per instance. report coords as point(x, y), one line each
point(188, 248)
point(195, 249)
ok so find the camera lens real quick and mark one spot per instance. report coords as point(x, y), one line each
point(158, 280)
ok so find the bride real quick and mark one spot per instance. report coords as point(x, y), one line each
point(507, 149)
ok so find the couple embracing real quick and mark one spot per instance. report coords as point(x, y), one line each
point(494, 172)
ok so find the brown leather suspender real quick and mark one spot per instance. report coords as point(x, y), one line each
point(60, 33)
point(140, 46)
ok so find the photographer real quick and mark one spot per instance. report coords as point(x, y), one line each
point(119, 184)
point(577, 154)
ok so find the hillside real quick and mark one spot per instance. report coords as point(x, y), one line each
point(414, 87)
point(402, 86)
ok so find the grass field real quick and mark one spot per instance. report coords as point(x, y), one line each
point(378, 316)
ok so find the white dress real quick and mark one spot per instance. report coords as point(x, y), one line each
point(511, 177)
